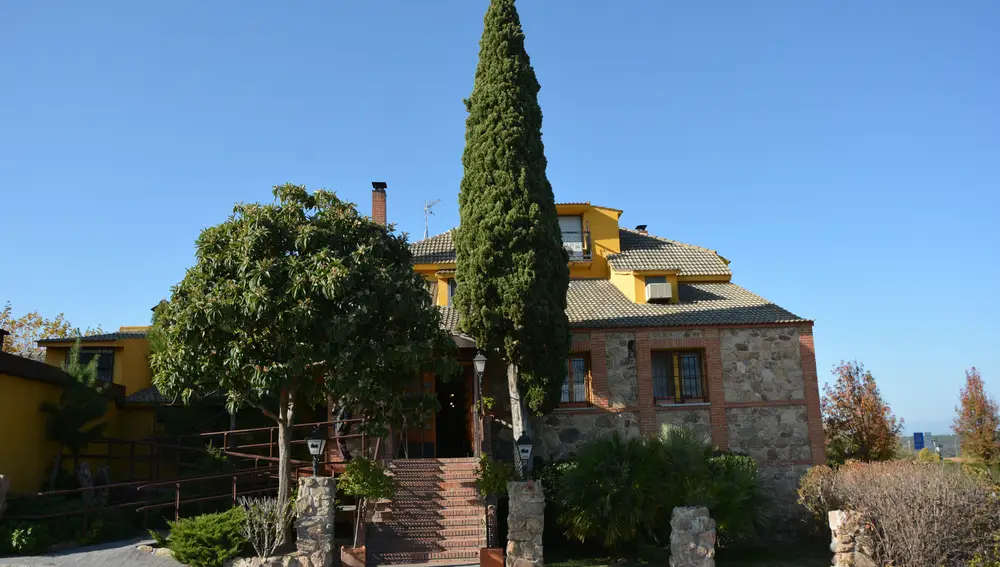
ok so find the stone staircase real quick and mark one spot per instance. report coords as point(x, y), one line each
point(436, 517)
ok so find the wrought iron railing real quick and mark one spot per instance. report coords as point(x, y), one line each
point(577, 244)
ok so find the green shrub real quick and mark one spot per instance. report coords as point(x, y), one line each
point(990, 556)
point(208, 540)
point(926, 455)
point(366, 479)
point(492, 476)
point(816, 494)
point(623, 491)
point(23, 538)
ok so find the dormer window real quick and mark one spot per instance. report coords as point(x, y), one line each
point(658, 289)
point(575, 239)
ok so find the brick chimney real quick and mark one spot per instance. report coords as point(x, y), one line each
point(378, 202)
point(641, 229)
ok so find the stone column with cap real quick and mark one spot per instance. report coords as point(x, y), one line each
point(692, 537)
point(314, 513)
point(525, 521)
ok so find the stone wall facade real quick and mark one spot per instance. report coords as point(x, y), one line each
point(692, 537)
point(559, 434)
point(761, 364)
point(623, 377)
point(770, 433)
point(698, 421)
point(525, 523)
point(762, 398)
point(314, 514)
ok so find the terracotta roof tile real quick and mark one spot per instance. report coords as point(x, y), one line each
point(648, 252)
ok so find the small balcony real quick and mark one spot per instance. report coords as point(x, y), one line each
point(577, 244)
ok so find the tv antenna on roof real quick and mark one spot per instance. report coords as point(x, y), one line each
point(427, 215)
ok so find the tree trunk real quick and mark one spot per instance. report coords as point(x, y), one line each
point(54, 477)
point(286, 406)
point(518, 413)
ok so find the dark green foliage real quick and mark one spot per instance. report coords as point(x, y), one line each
point(208, 540)
point(512, 269)
point(492, 476)
point(72, 423)
point(23, 538)
point(366, 478)
point(623, 491)
point(295, 301)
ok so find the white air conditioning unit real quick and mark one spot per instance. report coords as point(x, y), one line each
point(658, 291)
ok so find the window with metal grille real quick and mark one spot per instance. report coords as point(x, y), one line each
point(452, 286)
point(105, 361)
point(576, 385)
point(677, 376)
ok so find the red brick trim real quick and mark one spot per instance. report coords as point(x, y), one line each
point(683, 407)
point(667, 344)
point(644, 386)
point(807, 352)
point(599, 389)
point(785, 463)
point(716, 389)
point(766, 403)
point(580, 342)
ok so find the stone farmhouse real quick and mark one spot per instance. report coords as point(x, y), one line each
point(661, 335)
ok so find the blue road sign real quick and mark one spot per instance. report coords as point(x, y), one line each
point(918, 441)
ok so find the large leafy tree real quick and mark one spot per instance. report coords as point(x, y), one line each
point(28, 328)
point(74, 422)
point(512, 268)
point(977, 422)
point(295, 301)
point(859, 424)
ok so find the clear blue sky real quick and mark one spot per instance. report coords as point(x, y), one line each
point(844, 155)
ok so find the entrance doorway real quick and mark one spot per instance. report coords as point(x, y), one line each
point(453, 436)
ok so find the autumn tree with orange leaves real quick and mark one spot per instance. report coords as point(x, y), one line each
point(859, 424)
point(26, 330)
point(978, 420)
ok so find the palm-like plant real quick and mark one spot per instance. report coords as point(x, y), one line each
point(623, 491)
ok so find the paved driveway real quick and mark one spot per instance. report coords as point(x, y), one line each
point(114, 554)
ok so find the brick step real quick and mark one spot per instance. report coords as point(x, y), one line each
point(429, 513)
point(429, 522)
point(404, 557)
point(414, 516)
point(424, 531)
point(433, 500)
point(421, 492)
point(435, 484)
point(440, 461)
point(435, 477)
point(425, 544)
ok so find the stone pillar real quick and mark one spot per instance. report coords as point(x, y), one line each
point(847, 542)
point(314, 509)
point(692, 537)
point(525, 521)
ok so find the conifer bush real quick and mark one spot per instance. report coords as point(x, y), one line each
point(208, 540)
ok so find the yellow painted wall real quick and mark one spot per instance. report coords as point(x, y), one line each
point(442, 291)
point(131, 368)
point(133, 359)
point(604, 240)
point(633, 284)
point(25, 453)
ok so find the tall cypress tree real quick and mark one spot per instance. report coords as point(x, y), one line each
point(512, 268)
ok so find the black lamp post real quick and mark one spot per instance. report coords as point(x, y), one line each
point(479, 364)
point(316, 443)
